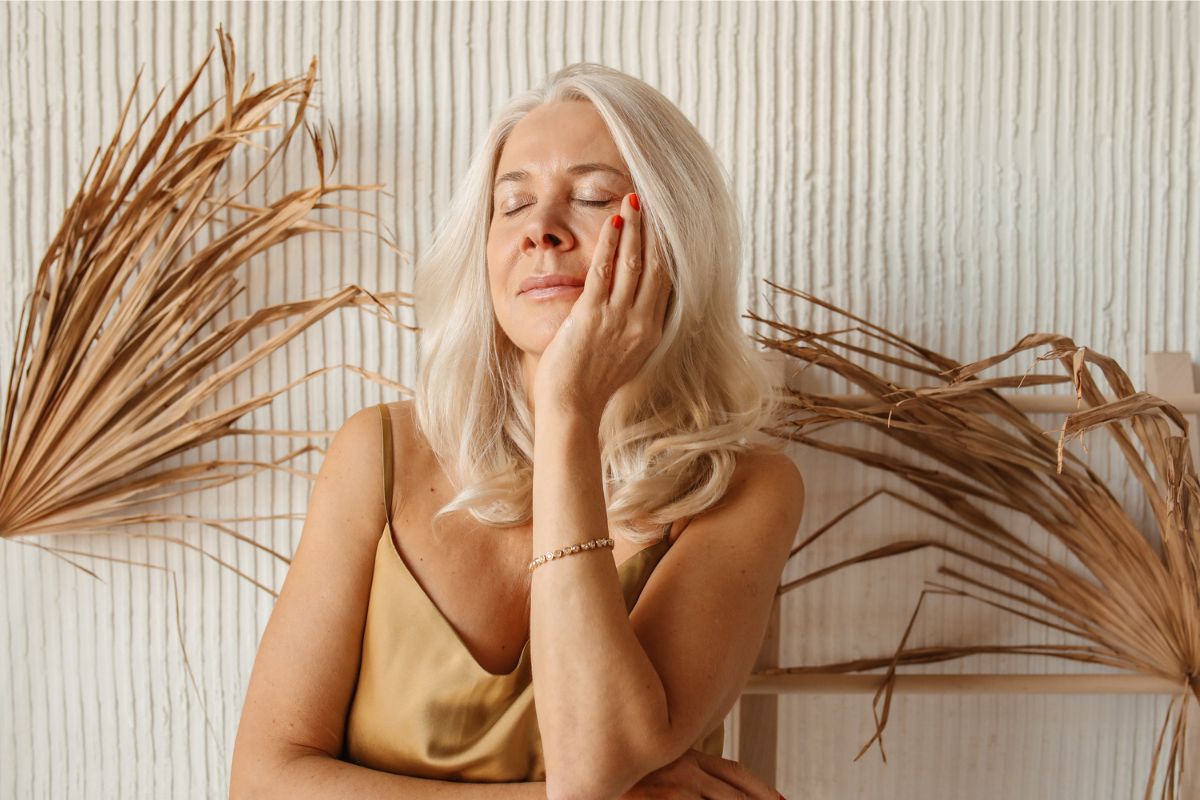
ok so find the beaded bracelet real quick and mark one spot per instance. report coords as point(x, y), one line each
point(566, 551)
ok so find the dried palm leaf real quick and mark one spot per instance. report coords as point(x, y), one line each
point(113, 363)
point(1136, 609)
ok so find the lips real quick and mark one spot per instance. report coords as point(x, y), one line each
point(547, 281)
point(552, 292)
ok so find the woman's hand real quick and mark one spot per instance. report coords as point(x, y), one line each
point(613, 327)
point(696, 775)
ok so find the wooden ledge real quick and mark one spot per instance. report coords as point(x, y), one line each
point(1092, 683)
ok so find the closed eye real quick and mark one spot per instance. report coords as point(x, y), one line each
point(597, 203)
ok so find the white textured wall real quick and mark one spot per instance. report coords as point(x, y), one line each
point(963, 174)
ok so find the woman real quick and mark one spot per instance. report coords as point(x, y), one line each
point(579, 313)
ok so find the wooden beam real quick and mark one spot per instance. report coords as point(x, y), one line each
point(839, 683)
point(1172, 374)
point(1187, 403)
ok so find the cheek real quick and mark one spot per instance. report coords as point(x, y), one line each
point(496, 278)
point(498, 251)
point(499, 293)
point(494, 262)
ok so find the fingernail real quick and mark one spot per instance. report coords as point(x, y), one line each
point(633, 201)
point(617, 221)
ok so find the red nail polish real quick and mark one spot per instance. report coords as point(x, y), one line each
point(617, 221)
point(633, 201)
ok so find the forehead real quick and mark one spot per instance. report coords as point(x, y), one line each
point(554, 136)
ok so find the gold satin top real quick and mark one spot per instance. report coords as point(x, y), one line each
point(424, 707)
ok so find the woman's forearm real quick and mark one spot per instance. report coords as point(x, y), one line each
point(324, 777)
point(599, 698)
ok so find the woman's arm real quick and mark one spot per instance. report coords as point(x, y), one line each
point(318, 775)
point(621, 694)
point(600, 699)
point(597, 692)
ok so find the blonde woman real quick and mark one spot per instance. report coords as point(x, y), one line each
point(582, 528)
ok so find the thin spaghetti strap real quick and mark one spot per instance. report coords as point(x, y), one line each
point(387, 461)
point(667, 532)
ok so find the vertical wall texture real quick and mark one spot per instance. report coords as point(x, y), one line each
point(961, 173)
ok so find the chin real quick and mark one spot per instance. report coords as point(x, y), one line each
point(534, 336)
point(542, 330)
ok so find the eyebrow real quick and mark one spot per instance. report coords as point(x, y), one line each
point(518, 175)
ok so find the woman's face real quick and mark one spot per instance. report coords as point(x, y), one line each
point(559, 178)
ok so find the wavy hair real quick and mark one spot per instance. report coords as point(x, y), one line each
point(670, 437)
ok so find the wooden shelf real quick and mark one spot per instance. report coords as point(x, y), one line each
point(838, 683)
point(1170, 376)
point(1035, 404)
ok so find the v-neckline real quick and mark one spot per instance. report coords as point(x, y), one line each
point(395, 553)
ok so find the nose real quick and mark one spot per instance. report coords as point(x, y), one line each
point(546, 229)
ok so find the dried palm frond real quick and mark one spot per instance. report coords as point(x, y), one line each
point(1137, 609)
point(112, 363)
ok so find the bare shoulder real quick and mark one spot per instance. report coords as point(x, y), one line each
point(765, 483)
point(403, 416)
point(350, 481)
point(765, 495)
point(767, 473)
point(407, 445)
point(778, 462)
point(352, 475)
point(401, 410)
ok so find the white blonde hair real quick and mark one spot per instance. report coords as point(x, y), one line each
point(670, 437)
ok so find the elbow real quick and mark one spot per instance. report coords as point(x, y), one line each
point(250, 778)
point(579, 791)
point(251, 767)
point(244, 774)
point(573, 783)
point(262, 775)
point(585, 779)
point(600, 775)
point(609, 786)
point(244, 786)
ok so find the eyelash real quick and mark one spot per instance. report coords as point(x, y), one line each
point(597, 203)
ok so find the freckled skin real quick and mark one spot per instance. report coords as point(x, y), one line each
point(557, 219)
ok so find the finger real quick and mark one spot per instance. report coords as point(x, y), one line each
point(660, 278)
point(711, 787)
point(627, 272)
point(658, 266)
point(598, 282)
point(737, 776)
point(660, 308)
